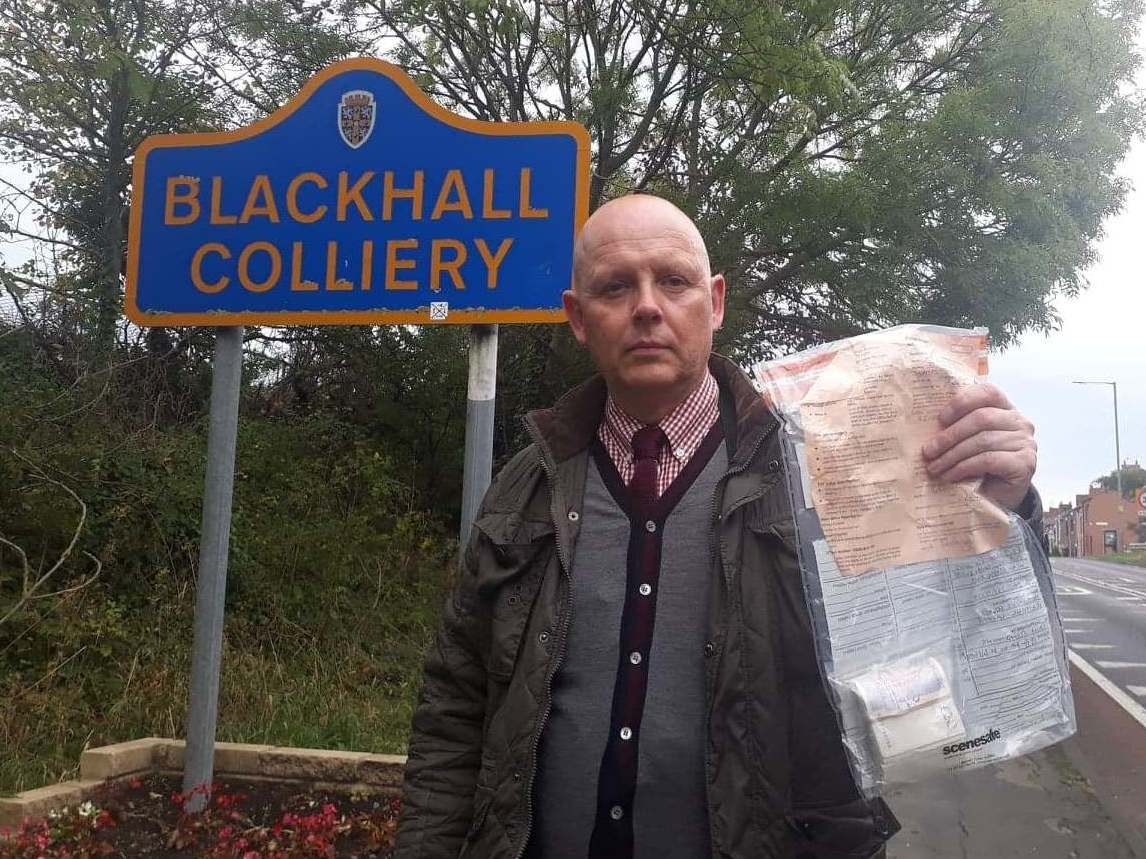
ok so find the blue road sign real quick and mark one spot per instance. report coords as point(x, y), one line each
point(360, 201)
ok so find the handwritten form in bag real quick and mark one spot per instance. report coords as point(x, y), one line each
point(866, 406)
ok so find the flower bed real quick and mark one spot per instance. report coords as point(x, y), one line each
point(243, 820)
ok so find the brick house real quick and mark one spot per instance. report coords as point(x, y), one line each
point(1100, 522)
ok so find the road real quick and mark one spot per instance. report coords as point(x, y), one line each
point(1103, 608)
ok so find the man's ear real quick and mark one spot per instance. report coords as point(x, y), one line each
point(572, 303)
point(718, 287)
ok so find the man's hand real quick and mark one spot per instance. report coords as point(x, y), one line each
point(984, 436)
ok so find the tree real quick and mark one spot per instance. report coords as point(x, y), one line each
point(83, 82)
point(854, 163)
point(1133, 479)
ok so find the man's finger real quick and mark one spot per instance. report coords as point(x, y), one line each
point(980, 420)
point(982, 442)
point(970, 398)
point(1014, 467)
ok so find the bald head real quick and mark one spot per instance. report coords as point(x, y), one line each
point(644, 303)
point(634, 216)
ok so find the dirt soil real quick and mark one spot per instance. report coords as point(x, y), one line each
point(245, 820)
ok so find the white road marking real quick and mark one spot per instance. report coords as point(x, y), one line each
point(1122, 664)
point(1074, 631)
point(1140, 691)
point(1066, 619)
point(1104, 585)
point(1129, 599)
point(1132, 707)
point(1083, 646)
point(1071, 591)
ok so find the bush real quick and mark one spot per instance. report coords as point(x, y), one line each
point(333, 589)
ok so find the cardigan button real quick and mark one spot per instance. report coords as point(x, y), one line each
point(709, 649)
point(774, 465)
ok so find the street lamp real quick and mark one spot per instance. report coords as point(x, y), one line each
point(1117, 452)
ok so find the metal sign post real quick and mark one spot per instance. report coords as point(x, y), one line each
point(360, 202)
point(211, 589)
point(478, 468)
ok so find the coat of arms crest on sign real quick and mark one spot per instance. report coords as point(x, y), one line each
point(356, 112)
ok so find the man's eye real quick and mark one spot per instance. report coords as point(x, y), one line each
point(613, 287)
point(675, 281)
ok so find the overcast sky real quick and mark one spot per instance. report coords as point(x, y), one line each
point(1103, 338)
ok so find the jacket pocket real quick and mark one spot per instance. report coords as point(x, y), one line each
point(854, 829)
point(780, 530)
point(512, 559)
point(483, 799)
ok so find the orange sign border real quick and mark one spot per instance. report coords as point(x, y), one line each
point(350, 317)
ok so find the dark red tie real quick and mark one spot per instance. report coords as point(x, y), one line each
point(647, 444)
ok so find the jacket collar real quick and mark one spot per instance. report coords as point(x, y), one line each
point(569, 427)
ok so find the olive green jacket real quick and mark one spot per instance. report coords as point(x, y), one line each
point(778, 783)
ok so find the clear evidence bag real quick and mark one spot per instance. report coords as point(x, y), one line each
point(933, 610)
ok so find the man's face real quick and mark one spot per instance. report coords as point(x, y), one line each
point(644, 303)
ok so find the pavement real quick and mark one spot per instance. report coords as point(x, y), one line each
point(1039, 805)
point(1084, 798)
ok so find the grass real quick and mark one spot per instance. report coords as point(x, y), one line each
point(351, 685)
point(1134, 559)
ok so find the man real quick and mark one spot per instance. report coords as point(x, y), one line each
point(626, 666)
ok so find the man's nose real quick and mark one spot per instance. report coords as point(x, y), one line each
point(646, 301)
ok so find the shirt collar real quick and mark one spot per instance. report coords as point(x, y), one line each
point(685, 425)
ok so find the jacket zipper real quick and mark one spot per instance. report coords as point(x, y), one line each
point(714, 518)
point(714, 547)
point(562, 636)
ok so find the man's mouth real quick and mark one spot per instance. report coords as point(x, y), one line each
point(647, 346)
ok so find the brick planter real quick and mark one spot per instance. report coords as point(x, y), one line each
point(320, 768)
